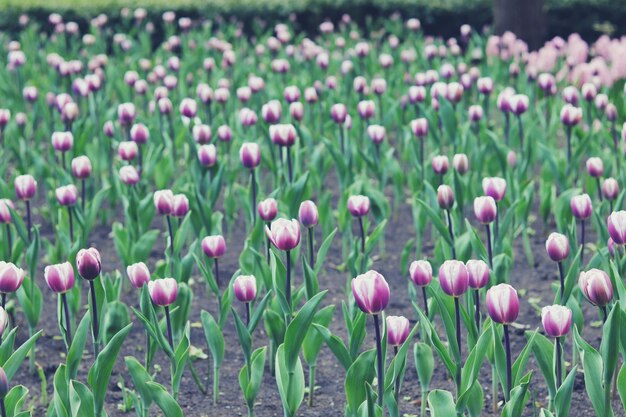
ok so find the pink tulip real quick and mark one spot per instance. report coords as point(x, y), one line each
point(595, 168)
point(180, 208)
point(358, 205)
point(478, 272)
point(445, 196)
point(610, 189)
point(421, 273)
point(494, 187)
point(308, 214)
point(284, 234)
point(59, 277)
point(62, 141)
point(214, 246)
point(129, 175)
point(485, 209)
point(502, 303)
point(25, 187)
point(557, 246)
point(127, 151)
point(139, 133)
point(268, 209)
point(88, 263)
point(453, 278)
point(81, 167)
point(164, 291)
point(5, 213)
point(440, 164)
point(460, 163)
point(397, 330)
point(556, 320)
point(138, 274)
point(11, 277)
point(67, 195)
point(339, 113)
point(581, 206)
point(596, 285)
point(244, 288)
point(250, 155)
point(419, 127)
point(371, 292)
point(164, 201)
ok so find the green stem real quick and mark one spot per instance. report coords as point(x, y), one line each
point(311, 384)
point(216, 383)
point(379, 356)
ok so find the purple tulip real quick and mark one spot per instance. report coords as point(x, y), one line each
point(244, 288)
point(5, 213)
point(556, 320)
point(180, 206)
point(453, 278)
point(207, 155)
point(88, 263)
point(81, 167)
point(581, 206)
point(11, 277)
point(308, 214)
point(478, 272)
point(59, 277)
point(214, 246)
point(502, 303)
point(557, 246)
point(445, 196)
point(164, 201)
point(129, 175)
point(494, 187)
point(610, 189)
point(250, 155)
point(284, 234)
point(421, 273)
point(67, 195)
point(371, 292)
point(397, 330)
point(25, 187)
point(596, 286)
point(358, 205)
point(164, 291)
point(617, 227)
point(268, 209)
point(138, 274)
point(485, 209)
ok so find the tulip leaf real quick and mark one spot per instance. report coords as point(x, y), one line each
point(621, 385)
point(609, 347)
point(592, 364)
point(336, 345)
point(290, 383)
point(164, 400)
point(518, 399)
point(441, 403)
point(245, 339)
point(12, 364)
point(519, 366)
point(323, 250)
point(362, 370)
point(435, 218)
point(214, 337)
point(563, 399)
point(100, 373)
point(81, 400)
point(259, 309)
point(140, 378)
point(313, 340)
point(424, 364)
point(430, 336)
point(75, 354)
point(543, 351)
point(297, 330)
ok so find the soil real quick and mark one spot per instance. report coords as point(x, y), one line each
point(329, 393)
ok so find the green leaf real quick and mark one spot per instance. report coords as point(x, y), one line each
point(436, 220)
point(214, 337)
point(140, 378)
point(563, 399)
point(164, 400)
point(441, 404)
point(81, 400)
point(296, 330)
point(313, 340)
point(336, 345)
point(424, 364)
point(290, 382)
point(13, 363)
point(362, 370)
point(75, 354)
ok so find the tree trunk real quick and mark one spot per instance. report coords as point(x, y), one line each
point(525, 18)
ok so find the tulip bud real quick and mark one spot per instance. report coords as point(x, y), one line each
point(453, 278)
point(478, 272)
point(502, 303)
point(485, 209)
point(224, 133)
point(59, 277)
point(164, 291)
point(366, 109)
point(376, 133)
point(164, 201)
point(108, 129)
point(11, 277)
point(62, 141)
point(595, 168)
point(421, 273)
point(570, 115)
point(557, 246)
point(207, 155)
point(214, 246)
point(4, 382)
point(339, 112)
point(445, 196)
point(397, 330)
point(267, 209)
point(296, 109)
point(581, 206)
point(371, 292)
point(596, 286)
point(67, 195)
point(25, 187)
point(180, 208)
point(188, 108)
point(250, 155)
point(440, 164)
point(81, 167)
point(556, 320)
point(138, 274)
point(88, 263)
point(494, 187)
point(358, 205)
point(126, 113)
point(283, 134)
point(129, 175)
point(271, 111)
point(139, 133)
point(419, 127)
point(511, 159)
point(5, 213)
point(284, 234)
point(244, 288)
point(127, 151)
point(617, 226)
point(610, 189)
point(308, 214)
point(460, 163)
point(610, 244)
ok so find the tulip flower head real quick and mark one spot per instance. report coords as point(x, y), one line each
point(596, 285)
point(244, 288)
point(421, 273)
point(419, 127)
point(284, 234)
point(358, 205)
point(595, 168)
point(502, 303)
point(440, 164)
point(557, 246)
point(5, 213)
point(485, 209)
point(60, 277)
point(308, 214)
point(180, 207)
point(129, 175)
point(617, 227)
point(164, 291)
point(214, 246)
point(453, 277)
point(460, 162)
point(371, 292)
point(11, 277)
point(478, 272)
point(67, 195)
point(268, 209)
point(164, 201)
point(581, 206)
point(207, 155)
point(25, 187)
point(397, 330)
point(556, 320)
point(610, 189)
point(4, 383)
point(81, 167)
point(445, 196)
point(88, 263)
point(250, 155)
point(138, 274)
point(494, 187)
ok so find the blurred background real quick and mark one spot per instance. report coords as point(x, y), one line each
point(533, 20)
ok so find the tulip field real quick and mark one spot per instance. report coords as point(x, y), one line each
point(202, 218)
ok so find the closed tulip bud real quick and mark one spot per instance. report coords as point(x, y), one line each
point(502, 303)
point(60, 277)
point(419, 127)
point(67, 195)
point(610, 189)
point(504, 100)
point(485, 209)
point(108, 129)
point(126, 113)
point(453, 278)
point(188, 108)
point(485, 85)
point(546, 81)
point(570, 115)
point(127, 151)
point(291, 93)
point(570, 95)
point(617, 226)
point(224, 133)
point(247, 117)
point(397, 330)
point(454, 92)
point(62, 141)
point(164, 201)
point(244, 93)
point(138, 274)
point(371, 292)
point(271, 111)
point(81, 167)
point(339, 112)
point(164, 291)
point(283, 134)
point(30, 94)
point(207, 155)
point(202, 134)
point(440, 164)
point(88, 263)
point(379, 86)
point(421, 273)
point(308, 214)
point(595, 167)
point(268, 209)
point(214, 246)
point(589, 91)
point(129, 175)
point(310, 95)
point(359, 84)
point(139, 133)
point(296, 109)
point(518, 104)
point(611, 112)
point(556, 320)
point(460, 163)
point(445, 196)
point(376, 133)
point(5, 213)
point(284, 234)
point(366, 109)
point(250, 155)
point(180, 207)
point(596, 286)
point(511, 159)
point(359, 205)
point(478, 272)
point(601, 101)
point(581, 206)
point(494, 187)
point(475, 113)
point(11, 277)
point(416, 94)
point(244, 288)
point(25, 187)
point(557, 246)
point(4, 382)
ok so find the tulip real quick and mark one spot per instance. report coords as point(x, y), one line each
point(89, 266)
point(557, 322)
point(81, 169)
point(285, 235)
point(268, 209)
point(557, 246)
point(397, 333)
point(581, 209)
point(250, 156)
point(4, 389)
point(11, 278)
point(460, 163)
point(60, 279)
point(214, 247)
point(164, 203)
point(180, 208)
point(371, 293)
point(339, 114)
point(422, 274)
point(503, 307)
point(486, 212)
point(207, 155)
point(284, 135)
point(610, 191)
point(25, 189)
point(445, 198)
point(6, 206)
point(67, 196)
point(595, 168)
point(163, 292)
point(359, 206)
point(138, 274)
point(129, 175)
point(244, 288)
point(597, 288)
point(616, 224)
point(309, 218)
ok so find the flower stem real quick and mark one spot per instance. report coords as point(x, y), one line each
point(171, 232)
point(425, 296)
point(94, 318)
point(311, 384)
point(477, 309)
point(489, 250)
point(396, 387)
point(217, 272)
point(559, 372)
point(311, 248)
point(362, 231)
point(3, 410)
point(562, 278)
point(289, 163)
point(170, 338)
point(216, 383)
point(71, 219)
point(9, 241)
point(582, 242)
point(68, 325)
point(288, 283)
point(507, 343)
point(247, 314)
point(457, 313)
point(451, 230)
point(379, 356)
point(29, 224)
point(82, 192)
point(253, 187)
